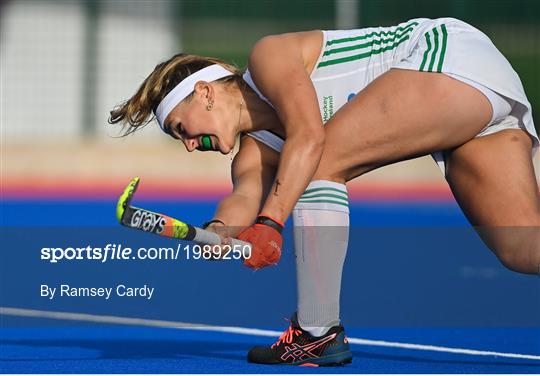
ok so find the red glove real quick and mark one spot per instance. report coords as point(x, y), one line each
point(265, 238)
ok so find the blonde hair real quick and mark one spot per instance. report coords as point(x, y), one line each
point(138, 110)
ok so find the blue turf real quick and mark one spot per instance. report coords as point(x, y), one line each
point(111, 349)
point(415, 272)
point(102, 212)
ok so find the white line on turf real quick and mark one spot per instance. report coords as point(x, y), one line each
point(239, 330)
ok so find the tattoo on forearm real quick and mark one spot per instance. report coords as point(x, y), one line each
point(277, 183)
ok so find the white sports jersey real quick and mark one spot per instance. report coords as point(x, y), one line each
point(351, 59)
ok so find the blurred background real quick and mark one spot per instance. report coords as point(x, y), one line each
point(66, 63)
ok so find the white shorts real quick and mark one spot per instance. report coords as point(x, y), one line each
point(464, 53)
point(503, 118)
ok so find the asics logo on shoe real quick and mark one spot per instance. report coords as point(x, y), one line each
point(297, 352)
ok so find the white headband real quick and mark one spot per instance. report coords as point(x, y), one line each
point(186, 87)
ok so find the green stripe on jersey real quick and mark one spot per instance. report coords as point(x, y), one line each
point(365, 36)
point(363, 55)
point(443, 48)
point(366, 44)
point(323, 195)
point(434, 53)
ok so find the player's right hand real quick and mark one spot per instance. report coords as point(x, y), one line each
point(266, 241)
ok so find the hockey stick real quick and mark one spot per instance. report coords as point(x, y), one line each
point(163, 225)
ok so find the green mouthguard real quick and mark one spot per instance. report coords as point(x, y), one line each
point(206, 143)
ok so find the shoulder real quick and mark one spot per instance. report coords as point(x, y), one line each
point(304, 44)
point(290, 39)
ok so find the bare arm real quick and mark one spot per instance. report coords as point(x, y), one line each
point(278, 69)
point(252, 173)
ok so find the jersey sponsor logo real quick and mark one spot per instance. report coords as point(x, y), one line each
point(295, 352)
point(148, 221)
point(328, 107)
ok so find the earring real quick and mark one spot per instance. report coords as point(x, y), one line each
point(210, 105)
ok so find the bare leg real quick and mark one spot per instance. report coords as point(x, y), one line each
point(493, 180)
point(404, 114)
point(400, 115)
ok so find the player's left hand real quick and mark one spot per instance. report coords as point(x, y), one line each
point(266, 241)
point(218, 226)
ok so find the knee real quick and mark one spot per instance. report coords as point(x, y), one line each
point(328, 176)
point(339, 175)
point(335, 179)
point(523, 256)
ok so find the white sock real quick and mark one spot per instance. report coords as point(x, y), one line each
point(321, 235)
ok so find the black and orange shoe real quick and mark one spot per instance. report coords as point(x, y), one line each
point(298, 347)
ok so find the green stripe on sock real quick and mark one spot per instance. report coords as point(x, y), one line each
point(366, 44)
point(443, 48)
point(434, 53)
point(311, 190)
point(363, 55)
point(381, 33)
point(322, 202)
point(323, 195)
point(426, 52)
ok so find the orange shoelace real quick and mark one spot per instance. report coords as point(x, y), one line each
point(287, 336)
